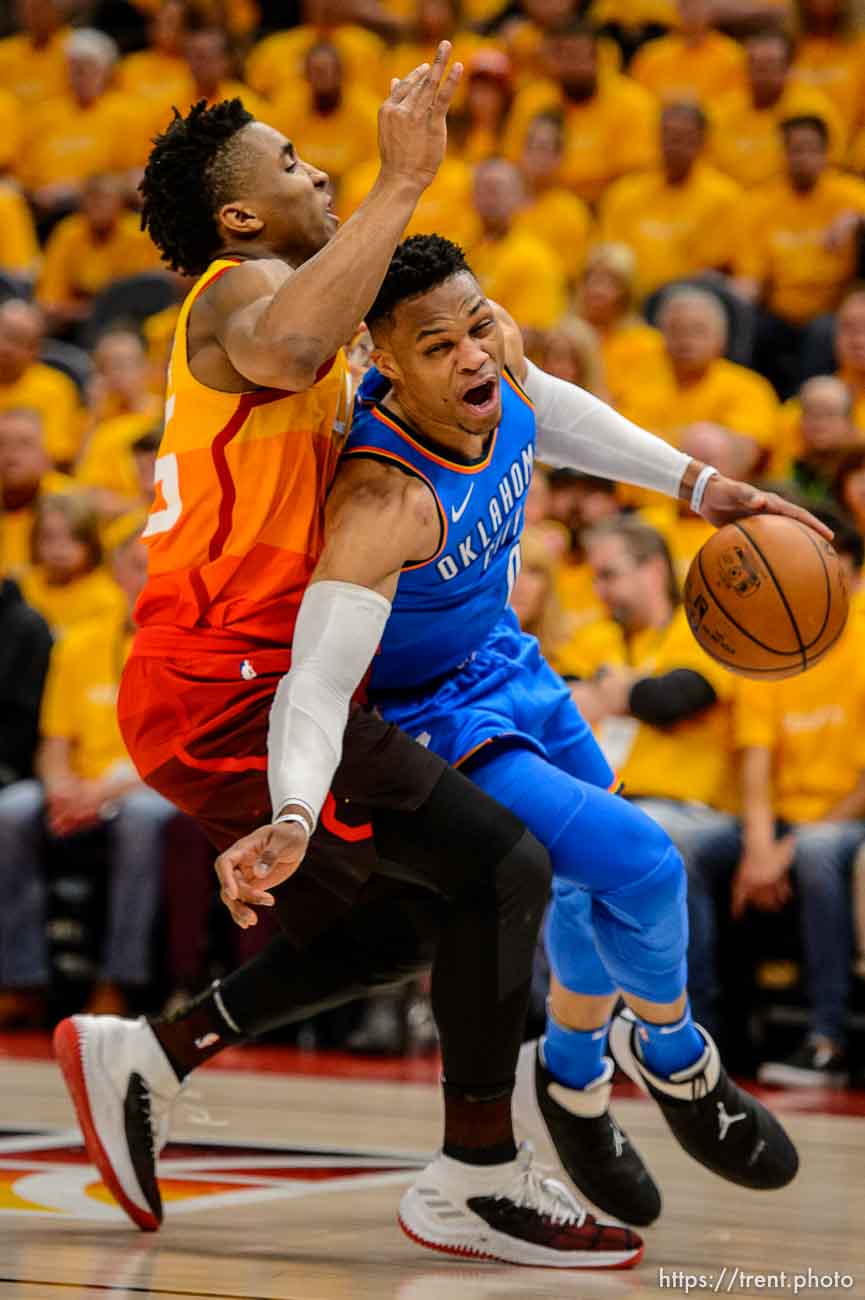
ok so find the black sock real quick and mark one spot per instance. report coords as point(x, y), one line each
point(478, 1130)
point(191, 1036)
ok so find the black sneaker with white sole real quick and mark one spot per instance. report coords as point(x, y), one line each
point(572, 1128)
point(813, 1065)
point(723, 1127)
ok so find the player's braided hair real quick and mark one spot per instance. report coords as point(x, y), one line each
point(421, 263)
point(188, 177)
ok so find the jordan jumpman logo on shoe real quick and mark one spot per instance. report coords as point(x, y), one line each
point(725, 1119)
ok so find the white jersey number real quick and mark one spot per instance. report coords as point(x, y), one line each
point(167, 478)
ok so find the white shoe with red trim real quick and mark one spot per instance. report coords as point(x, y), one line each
point(123, 1088)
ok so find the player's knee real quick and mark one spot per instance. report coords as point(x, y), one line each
point(525, 877)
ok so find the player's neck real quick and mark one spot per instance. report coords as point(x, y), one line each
point(467, 445)
point(255, 250)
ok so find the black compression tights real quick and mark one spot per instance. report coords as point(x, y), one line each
point(486, 882)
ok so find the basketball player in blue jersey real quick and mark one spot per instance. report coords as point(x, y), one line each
point(427, 510)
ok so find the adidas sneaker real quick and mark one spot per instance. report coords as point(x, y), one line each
point(510, 1213)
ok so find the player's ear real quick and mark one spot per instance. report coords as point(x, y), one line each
point(384, 362)
point(239, 219)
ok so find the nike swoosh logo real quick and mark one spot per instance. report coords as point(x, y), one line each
point(456, 515)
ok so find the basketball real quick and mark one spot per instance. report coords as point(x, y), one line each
point(766, 597)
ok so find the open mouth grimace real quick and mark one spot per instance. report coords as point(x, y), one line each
point(481, 394)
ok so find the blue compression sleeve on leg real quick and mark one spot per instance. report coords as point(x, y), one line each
point(574, 1056)
point(666, 1049)
point(622, 858)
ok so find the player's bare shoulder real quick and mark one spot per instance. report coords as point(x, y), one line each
point(402, 504)
point(243, 289)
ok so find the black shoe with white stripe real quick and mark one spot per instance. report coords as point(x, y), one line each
point(572, 1130)
point(812, 1065)
point(723, 1127)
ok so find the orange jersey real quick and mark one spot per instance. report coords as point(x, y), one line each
point(237, 522)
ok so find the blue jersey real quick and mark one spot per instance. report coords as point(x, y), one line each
point(447, 606)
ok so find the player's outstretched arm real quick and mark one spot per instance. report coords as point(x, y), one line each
point(578, 431)
point(278, 327)
point(378, 520)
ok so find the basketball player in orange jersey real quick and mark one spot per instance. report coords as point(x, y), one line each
point(257, 409)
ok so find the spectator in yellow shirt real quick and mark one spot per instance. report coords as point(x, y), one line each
point(67, 581)
point(848, 489)
point(117, 469)
point(829, 55)
point(828, 435)
point(661, 708)
point(26, 381)
point(88, 788)
point(797, 247)
point(552, 212)
point(160, 72)
point(697, 62)
point(849, 347)
point(90, 129)
point(277, 62)
point(476, 128)
point(610, 121)
point(122, 382)
point(803, 799)
point(26, 477)
point(698, 383)
point(632, 351)
point(536, 603)
point(88, 250)
point(33, 61)
point(19, 249)
point(444, 205)
point(677, 219)
point(571, 351)
point(513, 267)
point(429, 23)
point(744, 141)
point(337, 122)
point(208, 59)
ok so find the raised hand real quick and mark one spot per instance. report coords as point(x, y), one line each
point(412, 122)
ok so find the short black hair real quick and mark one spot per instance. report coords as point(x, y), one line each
point(420, 263)
point(810, 120)
point(189, 175)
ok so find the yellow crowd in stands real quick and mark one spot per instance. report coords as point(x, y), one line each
point(589, 167)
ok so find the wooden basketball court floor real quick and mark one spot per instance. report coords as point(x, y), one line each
point(282, 1184)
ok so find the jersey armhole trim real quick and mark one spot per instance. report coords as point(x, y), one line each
point(514, 383)
point(390, 458)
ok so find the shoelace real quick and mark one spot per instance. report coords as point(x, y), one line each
point(545, 1196)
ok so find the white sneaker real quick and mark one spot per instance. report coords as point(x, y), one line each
point(123, 1087)
point(512, 1214)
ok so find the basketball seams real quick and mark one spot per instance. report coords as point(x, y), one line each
point(808, 533)
point(749, 635)
point(784, 601)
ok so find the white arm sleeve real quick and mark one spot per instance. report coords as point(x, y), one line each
point(339, 626)
point(578, 431)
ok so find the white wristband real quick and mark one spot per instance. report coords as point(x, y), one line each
point(306, 821)
point(706, 473)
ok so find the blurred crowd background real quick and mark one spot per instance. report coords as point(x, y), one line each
point(669, 197)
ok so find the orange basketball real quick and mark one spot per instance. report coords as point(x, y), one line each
point(766, 597)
